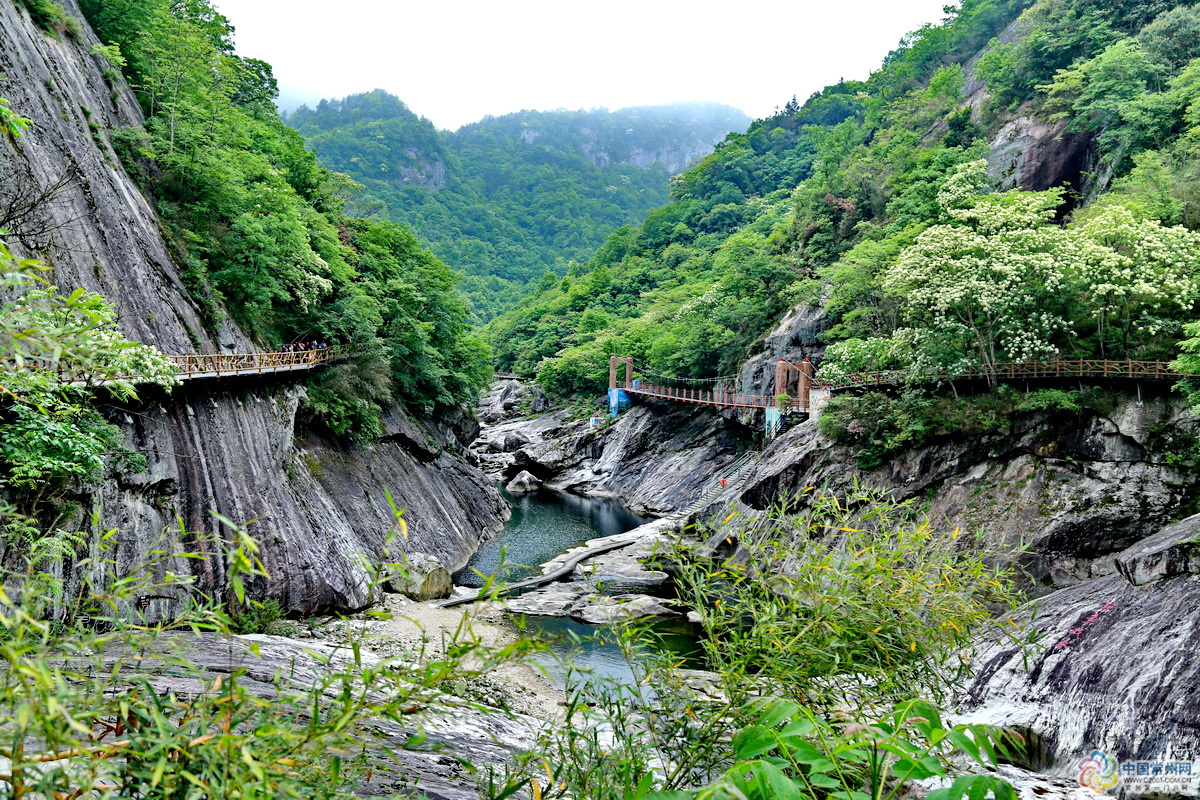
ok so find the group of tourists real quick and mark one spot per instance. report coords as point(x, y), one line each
point(303, 347)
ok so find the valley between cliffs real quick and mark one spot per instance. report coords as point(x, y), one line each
point(230, 449)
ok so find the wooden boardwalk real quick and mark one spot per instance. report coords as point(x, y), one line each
point(1091, 370)
point(1020, 370)
point(220, 365)
point(198, 366)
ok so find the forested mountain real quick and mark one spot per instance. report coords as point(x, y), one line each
point(880, 202)
point(509, 198)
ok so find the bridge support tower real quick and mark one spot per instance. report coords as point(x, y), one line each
point(618, 398)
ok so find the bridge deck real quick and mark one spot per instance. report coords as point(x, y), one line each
point(200, 366)
point(1070, 368)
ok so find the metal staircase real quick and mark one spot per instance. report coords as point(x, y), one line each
point(735, 477)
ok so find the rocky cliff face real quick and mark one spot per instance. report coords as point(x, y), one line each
point(674, 158)
point(795, 337)
point(65, 198)
point(1071, 490)
point(320, 511)
point(656, 458)
point(1028, 153)
point(319, 508)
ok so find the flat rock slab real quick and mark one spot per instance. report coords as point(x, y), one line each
point(554, 600)
point(605, 610)
point(581, 601)
point(457, 732)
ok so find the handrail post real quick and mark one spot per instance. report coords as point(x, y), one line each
point(806, 381)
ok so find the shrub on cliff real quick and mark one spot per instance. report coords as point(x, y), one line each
point(56, 353)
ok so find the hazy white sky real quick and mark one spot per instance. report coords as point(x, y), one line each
point(454, 61)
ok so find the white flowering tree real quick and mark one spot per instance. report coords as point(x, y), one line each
point(988, 283)
point(1136, 280)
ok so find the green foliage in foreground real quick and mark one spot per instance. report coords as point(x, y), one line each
point(864, 606)
point(260, 227)
point(866, 603)
point(95, 698)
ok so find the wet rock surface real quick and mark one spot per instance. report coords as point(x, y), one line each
point(1113, 668)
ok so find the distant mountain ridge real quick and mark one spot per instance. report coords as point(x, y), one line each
point(510, 198)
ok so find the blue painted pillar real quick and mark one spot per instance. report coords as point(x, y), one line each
point(618, 400)
point(774, 415)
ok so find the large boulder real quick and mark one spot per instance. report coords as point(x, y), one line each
point(423, 578)
point(1175, 550)
point(523, 483)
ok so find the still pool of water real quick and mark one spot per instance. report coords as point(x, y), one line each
point(544, 524)
point(580, 652)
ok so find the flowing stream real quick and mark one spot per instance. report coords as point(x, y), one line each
point(543, 525)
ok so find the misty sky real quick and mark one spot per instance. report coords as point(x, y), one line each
point(456, 60)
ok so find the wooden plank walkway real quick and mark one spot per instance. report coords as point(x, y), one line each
point(1083, 368)
point(200, 366)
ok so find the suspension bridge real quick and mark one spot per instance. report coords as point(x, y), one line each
point(799, 388)
point(201, 366)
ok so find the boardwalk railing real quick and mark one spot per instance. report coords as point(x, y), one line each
point(714, 397)
point(213, 365)
point(1058, 368)
point(196, 366)
point(1015, 370)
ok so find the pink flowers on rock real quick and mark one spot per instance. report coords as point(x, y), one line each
point(1075, 635)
